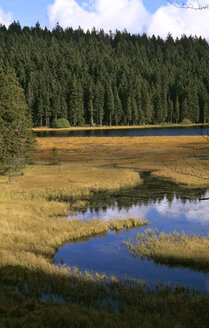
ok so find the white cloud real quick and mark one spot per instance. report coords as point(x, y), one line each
point(179, 21)
point(106, 14)
point(5, 19)
point(195, 211)
point(129, 14)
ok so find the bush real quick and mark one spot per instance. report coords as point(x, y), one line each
point(61, 123)
point(186, 121)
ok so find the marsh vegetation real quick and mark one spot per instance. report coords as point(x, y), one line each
point(174, 249)
point(34, 225)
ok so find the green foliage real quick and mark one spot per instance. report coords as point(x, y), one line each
point(15, 136)
point(55, 160)
point(61, 123)
point(186, 121)
point(95, 78)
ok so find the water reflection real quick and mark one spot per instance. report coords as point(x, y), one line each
point(134, 132)
point(167, 207)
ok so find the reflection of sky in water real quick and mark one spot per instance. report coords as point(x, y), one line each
point(189, 216)
point(108, 255)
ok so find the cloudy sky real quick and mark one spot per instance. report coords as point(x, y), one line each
point(137, 16)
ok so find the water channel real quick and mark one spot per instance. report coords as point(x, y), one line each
point(168, 208)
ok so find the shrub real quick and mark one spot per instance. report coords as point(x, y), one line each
point(61, 123)
point(186, 121)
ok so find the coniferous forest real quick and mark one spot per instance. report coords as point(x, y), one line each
point(94, 78)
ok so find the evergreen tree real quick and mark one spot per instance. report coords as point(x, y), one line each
point(128, 111)
point(170, 110)
point(76, 114)
point(118, 112)
point(99, 103)
point(177, 110)
point(90, 103)
point(135, 113)
point(109, 103)
point(69, 73)
point(15, 135)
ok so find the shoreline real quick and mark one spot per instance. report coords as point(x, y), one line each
point(122, 127)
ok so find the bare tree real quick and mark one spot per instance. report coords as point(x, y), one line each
point(196, 5)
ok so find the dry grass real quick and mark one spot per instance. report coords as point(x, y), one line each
point(44, 128)
point(175, 158)
point(34, 207)
point(172, 249)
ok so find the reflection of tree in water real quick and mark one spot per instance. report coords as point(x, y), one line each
point(153, 190)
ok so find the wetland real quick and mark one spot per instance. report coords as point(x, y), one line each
point(103, 280)
point(168, 208)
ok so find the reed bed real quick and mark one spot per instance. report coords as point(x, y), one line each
point(33, 225)
point(173, 249)
point(137, 307)
point(128, 223)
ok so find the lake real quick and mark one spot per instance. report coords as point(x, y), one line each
point(129, 132)
point(168, 208)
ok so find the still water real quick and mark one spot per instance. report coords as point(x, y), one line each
point(167, 207)
point(135, 132)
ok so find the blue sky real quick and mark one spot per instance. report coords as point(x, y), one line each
point(28, 12)
point(137, 16)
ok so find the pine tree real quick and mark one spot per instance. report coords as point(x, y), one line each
point(128, 111)
point(110, 103)
point(76, 114)
point(118, 112)
point(135, 113)
point(177, 110)
point(15, 135)
point(170, 110)
point(99, 103)
point(90, 104)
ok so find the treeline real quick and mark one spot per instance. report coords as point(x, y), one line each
point(107, 79)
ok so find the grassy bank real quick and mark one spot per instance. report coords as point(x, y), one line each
point(148, 126)
point(172, 249)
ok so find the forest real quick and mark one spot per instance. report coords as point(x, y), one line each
point(96, 79)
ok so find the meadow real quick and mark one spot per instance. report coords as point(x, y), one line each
point(63, 176)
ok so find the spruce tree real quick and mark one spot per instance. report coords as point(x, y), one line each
point(76, 114)
point(110, 103)
point(15, 133)
point(118, 112)
point(99, 103)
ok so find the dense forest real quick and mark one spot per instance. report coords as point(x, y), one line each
point(94, 78)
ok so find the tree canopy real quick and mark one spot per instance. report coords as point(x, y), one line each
point(94, 78)
point(15, 135)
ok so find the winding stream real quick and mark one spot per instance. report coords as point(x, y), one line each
point(167, 206)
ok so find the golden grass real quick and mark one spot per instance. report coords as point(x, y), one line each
point(148, 126)
point(174, 158)
point(33, 210)
point(172, 249)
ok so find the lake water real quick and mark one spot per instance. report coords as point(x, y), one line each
point(167, 206)
point(135, 132)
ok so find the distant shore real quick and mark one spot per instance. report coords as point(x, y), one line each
point(172, 125)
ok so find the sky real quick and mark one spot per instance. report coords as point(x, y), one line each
point(156, 17)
